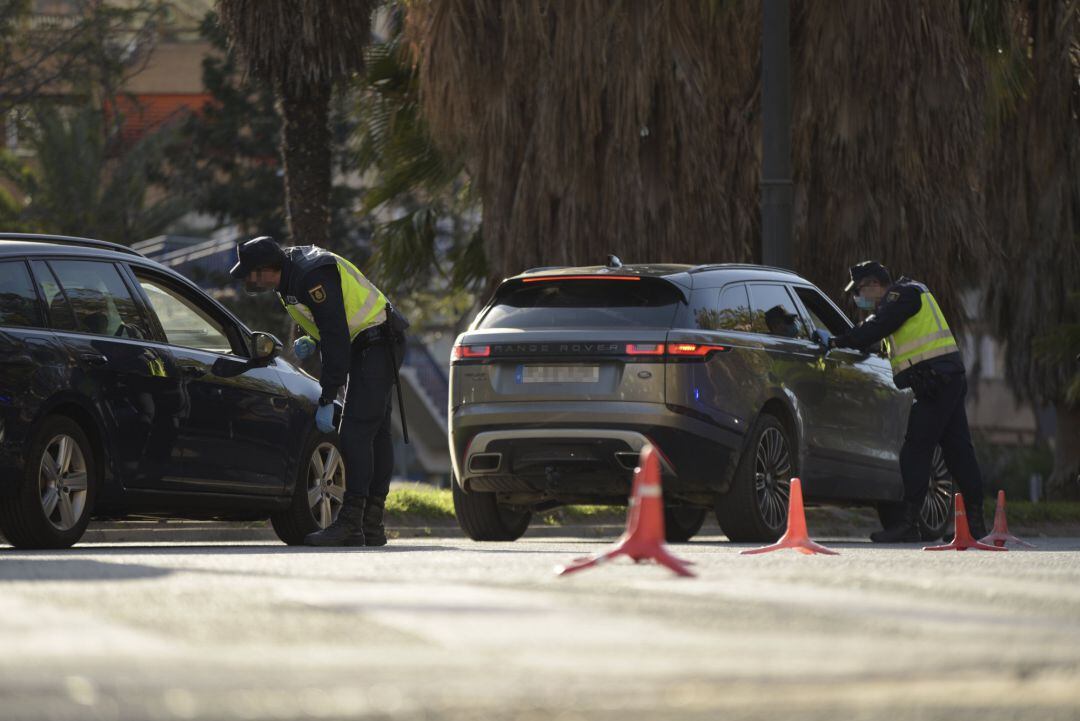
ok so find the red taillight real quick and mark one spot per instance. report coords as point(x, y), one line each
point(693, 350)
point(470, 351)
point(644, 349)
point(674, 350)
point(546, 278)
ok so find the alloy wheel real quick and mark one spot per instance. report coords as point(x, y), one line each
point(772, 477)
point(63, 482)
point(326, 484)
point(937, 506)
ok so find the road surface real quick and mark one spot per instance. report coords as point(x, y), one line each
point(450, 629)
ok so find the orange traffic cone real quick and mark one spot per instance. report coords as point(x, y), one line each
point(644, 536)
point(962, 539)
point(1000, 535)
point(796, 536)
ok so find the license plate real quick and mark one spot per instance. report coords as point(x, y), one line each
point(559, 374)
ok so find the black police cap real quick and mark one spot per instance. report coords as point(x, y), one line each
point(867, 269)
point(259, 252)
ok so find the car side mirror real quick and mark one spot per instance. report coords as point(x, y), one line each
point(266, 347)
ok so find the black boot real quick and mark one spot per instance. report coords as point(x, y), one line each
point(374, 531)
point(977, 524)
point(346, 530)
point(905, 530)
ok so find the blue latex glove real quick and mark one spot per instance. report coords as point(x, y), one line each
point(324, 418)
point(303, 347)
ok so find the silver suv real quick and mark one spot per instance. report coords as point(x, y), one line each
point(567, 372)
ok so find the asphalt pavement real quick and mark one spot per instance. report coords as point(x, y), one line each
point(450, 629)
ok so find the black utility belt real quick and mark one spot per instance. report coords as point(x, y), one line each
point(374, 334)
point(393, 327)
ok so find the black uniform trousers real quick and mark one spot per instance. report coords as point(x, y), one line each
point(941, 420)
point(366, 444)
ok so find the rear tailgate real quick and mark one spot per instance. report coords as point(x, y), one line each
point(568, 338)
point(559, 365)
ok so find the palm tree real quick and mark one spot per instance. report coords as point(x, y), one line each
point(590, 127)
point(888, 112)
point(304, 47)
point(1033, 208)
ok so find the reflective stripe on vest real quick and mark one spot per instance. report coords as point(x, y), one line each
point(364, 303)
point(923, 336)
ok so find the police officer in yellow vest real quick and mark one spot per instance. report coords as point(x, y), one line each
point(925, 358)
point(362, 341)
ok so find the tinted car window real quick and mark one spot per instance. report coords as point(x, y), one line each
point(734, 312)
point(584, 304)
point(701, 313)
point(18, 301)
point(822, 314)
point(184, 323)
point(61, 317)
point(101, 301)
point(775, 312)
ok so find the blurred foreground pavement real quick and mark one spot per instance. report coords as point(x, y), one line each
point(450, 629)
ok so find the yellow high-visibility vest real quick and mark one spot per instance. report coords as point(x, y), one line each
point(365, 305)
point(923, 336)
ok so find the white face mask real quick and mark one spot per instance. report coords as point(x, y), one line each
point(864, 303)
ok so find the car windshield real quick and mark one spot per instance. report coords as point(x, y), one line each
point(644, 303)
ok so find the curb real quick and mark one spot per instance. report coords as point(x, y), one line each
point(181, 532)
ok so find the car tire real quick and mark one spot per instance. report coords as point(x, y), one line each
point(681, 523)
point(755, 508)
point(936, 515)
point(483, 518)
point(55, 496)
point(318, 493)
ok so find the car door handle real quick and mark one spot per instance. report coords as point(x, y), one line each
point(193, 371)
point(21, 359)
point(93, 359)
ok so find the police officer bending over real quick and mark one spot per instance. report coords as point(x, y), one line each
point(362, 341)
point(925, 358)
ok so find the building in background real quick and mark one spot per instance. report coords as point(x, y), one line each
point(169, 81)
point(163, 59)
point(994, 411)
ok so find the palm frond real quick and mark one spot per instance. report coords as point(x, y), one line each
point(591, 127)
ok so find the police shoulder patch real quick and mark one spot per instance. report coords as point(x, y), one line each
point(893, 296)
point(318, 294)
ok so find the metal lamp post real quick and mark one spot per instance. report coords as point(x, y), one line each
point(776, 185)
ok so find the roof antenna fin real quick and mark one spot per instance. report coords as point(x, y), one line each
point(613, 261)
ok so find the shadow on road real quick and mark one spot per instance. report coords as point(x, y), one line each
point(77, 569)
point(215, 548)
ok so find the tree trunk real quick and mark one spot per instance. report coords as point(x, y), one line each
point(305, 152)
point(1064, 483)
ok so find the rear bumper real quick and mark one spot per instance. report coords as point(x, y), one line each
point(578, 450)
